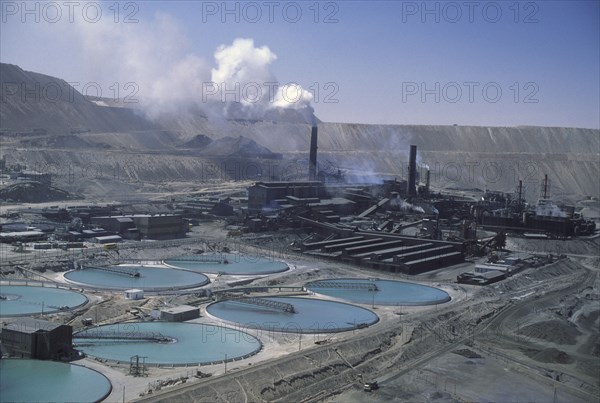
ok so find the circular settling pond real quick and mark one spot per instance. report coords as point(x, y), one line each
point(49, 381)
point(305, 316)
point(125, 277)
point(231, 263)
point(166, 343)
point(379, 292)
point(20, 300)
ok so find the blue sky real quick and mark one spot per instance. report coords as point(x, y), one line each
point(373, 62)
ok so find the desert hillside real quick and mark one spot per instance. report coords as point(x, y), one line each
point(73, 136)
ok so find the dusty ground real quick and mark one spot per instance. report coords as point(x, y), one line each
point(395, 351)
point(541, 349)
point(536, 331)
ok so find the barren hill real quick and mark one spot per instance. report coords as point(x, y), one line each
point(32, 100)
point(126, 147)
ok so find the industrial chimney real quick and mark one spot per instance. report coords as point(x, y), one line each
point(427, 181)
point(412, 171)
point(312, 165)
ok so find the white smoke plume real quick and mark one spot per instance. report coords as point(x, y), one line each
point(549, 209)
point(402, 204)
point(420, 161)
point(243, 73)
point(153, 57)
point(157, 56)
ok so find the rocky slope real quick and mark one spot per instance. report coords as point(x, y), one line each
point(155, 150)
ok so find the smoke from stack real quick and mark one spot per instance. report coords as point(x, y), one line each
point(312, 167)
point(412, 171)
point(399, 203)
point(158, 57)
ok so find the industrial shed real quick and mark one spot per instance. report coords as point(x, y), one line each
point(134, 294)
point(107, 239)
point(180, 313)
point(35, 338)
point(151, 226)
point(22, 236)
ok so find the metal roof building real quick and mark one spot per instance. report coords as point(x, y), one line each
point(35, 338)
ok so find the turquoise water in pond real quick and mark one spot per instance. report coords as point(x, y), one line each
point(49, 381)
point(230, 263)
point(150, 279)
point(180, 343)
point(388, 292)
point(310, 316)
point(25, 300)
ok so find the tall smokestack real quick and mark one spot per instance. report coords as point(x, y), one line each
point(312, 165)
point(412, 171)
point(520, 194)
point(427, 181)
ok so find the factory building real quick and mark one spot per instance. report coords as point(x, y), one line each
point(487, 267)
point(196, 208)
point(388, 252)
point(38, 339)
point(123, 226)
point(94, 233)
point(266, 194)
point(108, 239)
point(160, 226)
point(87, 212)
point(559, 226)
point(22, 236)
point(151, 226)
point(488, 277)
point(180, 313)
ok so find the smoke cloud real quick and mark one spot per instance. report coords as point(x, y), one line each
point(420, 161)
point(243, 73)
point(167, 77)
point(402, 204)
point(149, 62)
point(549, 210)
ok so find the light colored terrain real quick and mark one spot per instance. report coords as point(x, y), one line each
point(126, 153)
